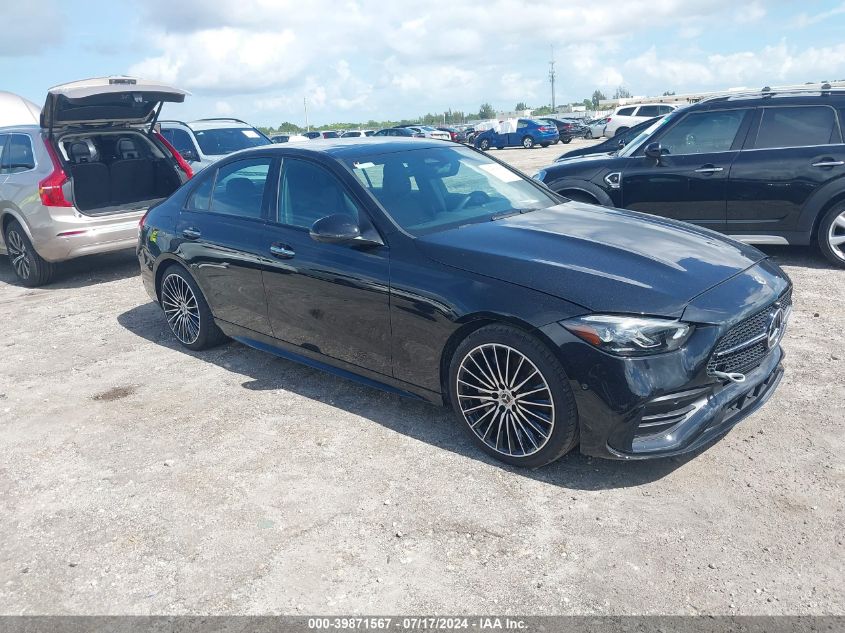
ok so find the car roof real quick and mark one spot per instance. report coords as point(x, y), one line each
point(16, 110)
point(216, 124)
point(343, 148)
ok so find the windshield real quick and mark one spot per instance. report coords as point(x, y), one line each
point(434, 189)
point(632, 145)
point(227, 140)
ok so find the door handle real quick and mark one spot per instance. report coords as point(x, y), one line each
point(829, 162)
point(282, 251)
point(191, 234)
point(709, 169)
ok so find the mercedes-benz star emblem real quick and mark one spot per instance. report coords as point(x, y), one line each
point(775, 328)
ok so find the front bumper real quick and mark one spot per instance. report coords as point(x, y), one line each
point(661, 406)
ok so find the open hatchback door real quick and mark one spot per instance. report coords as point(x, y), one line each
point(106, 101)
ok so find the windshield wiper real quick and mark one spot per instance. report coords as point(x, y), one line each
point(510, 213)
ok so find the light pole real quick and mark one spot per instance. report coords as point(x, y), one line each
point(305, 105)
point(552, 77)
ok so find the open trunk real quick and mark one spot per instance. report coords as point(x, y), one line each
point(116, 171)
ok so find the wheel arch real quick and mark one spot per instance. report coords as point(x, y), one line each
point(473, 322)
point(571, 184)
point(168, 261)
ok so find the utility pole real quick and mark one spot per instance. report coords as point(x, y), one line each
point(305, 105)
point(552, 77)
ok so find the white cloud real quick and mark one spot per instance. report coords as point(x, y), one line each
point(804, 20)
point(369, 58)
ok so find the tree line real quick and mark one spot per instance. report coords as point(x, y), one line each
point(448, 117)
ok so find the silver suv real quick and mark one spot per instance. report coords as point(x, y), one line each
point(79, 182)
point(205, 141)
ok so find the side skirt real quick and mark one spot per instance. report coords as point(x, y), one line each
point(325, 363)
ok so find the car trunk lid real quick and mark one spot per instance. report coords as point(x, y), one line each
point(106, 101)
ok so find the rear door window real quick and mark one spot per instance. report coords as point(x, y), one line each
point(703, 132)
point(649, 111)
point(625, 112)
point(239, 188)
point(797, 126)
point(664, 109)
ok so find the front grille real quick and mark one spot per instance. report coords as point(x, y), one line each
point(746, 355)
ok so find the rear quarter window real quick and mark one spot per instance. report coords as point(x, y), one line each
point(797, 126)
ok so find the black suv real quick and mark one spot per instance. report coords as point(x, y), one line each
point(765, 168)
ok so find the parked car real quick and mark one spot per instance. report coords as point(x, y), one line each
point(567, 129)
point(455, 134)
point(518, 132)
point(78, 182)
point(595, 128)
point(288, 138)
point(357, 134)
point(399, 131)
point(430, 132)
point(205, 141)
point(765, 168)
point(626, 116)
point(612, 144)
point(543, 323)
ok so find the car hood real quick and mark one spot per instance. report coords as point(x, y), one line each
point(606, 260)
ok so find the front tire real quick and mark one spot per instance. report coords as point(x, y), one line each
point(831, 235)
point(484, 145)
point(30, 268)
point(528, 142)
point(589, 134)
point(513, 397)
point(187, 311)
point(566, 140)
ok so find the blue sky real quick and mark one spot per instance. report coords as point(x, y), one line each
point(360, 59)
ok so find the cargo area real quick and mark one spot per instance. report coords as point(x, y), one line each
point(113, 172)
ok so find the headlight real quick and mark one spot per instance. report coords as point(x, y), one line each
point(629, 335)
point(540, 175)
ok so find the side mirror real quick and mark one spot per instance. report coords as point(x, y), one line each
point(189, 155)
point(335, 229)
point(653, 150)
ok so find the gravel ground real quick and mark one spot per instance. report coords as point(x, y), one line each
point(138, 478)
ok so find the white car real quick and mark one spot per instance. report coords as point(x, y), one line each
point(595, 128)
point(430, 132)
point(627, 116)
point(357, 133)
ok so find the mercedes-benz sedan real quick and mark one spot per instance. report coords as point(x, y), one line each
point(436, 271)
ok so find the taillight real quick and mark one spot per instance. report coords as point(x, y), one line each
point(50, 189)
point(454, 136)
point(607, 120)
point(183, 164)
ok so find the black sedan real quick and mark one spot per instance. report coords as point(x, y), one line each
point(435, 271)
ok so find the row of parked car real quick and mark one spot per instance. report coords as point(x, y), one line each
point(460, 280)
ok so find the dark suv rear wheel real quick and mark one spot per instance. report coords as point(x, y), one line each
point(31, 269)
point(831, 234)
point(513, 397)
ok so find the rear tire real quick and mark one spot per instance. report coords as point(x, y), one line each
point(544, 144)
point(831, 235)
point(620, 130)
point(528, 142)
point(30, 268)
point(566, 140)
point(513, 397)
point(187, 311)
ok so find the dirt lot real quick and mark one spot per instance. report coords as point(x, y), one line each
point(136, 477)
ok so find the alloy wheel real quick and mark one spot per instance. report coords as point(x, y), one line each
point(18, 254)
point(505, 400)
point(836, 235)
point(180, 308)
